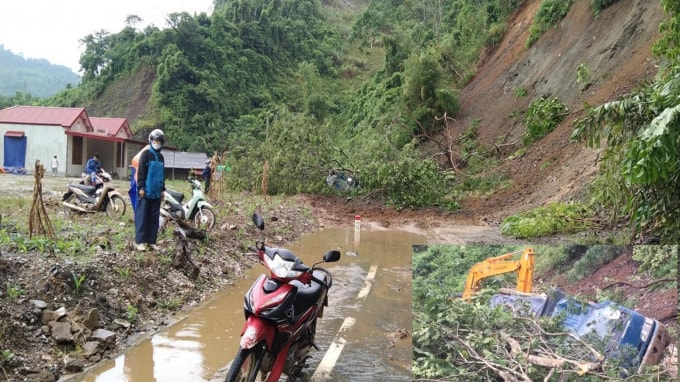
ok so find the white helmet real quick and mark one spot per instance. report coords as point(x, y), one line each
point(157, 135)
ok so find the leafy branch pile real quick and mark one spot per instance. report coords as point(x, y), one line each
point(551, 219)
point(454, 340)
point(459, 341)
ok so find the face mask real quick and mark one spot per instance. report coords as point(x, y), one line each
point(156, 146)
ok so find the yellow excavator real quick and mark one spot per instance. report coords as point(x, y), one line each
point(501, 264)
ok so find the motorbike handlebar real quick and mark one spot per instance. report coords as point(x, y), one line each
point(328, 274)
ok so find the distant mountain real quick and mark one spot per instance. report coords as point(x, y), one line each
point(37, 77)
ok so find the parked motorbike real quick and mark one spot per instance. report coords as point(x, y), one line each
point(98, 197)
point(196, 209)
point(281, 311)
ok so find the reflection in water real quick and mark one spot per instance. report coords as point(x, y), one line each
point(374, 351)
point(202, 343)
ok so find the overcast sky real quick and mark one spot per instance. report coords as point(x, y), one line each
point(52, 29)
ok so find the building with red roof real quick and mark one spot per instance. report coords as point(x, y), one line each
point(32, 133)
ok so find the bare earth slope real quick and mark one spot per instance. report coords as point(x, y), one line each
point(616, 47)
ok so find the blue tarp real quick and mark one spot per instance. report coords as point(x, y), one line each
point(15, 152)
point(14, 170)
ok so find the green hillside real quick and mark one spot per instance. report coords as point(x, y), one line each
point(309, 85)
point(37, 77)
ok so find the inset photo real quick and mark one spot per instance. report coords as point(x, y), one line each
point(545, 312)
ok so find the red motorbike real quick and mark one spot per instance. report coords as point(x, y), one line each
point(281, 312)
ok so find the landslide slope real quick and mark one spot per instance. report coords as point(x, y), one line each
point(615, 47)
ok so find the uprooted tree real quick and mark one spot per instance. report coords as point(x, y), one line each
point(456, 340)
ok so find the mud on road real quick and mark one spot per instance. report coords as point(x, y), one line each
point(52, 327)
point(60, 315)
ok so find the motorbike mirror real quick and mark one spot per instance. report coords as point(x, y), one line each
point(331, 256)
point(258, 221)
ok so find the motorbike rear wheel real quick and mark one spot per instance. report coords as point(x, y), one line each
point(204, 218)
point(246, 365)
point(116, 207)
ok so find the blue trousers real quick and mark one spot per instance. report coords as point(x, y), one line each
point(146, 220)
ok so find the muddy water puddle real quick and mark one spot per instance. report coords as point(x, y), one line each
point(198, 346)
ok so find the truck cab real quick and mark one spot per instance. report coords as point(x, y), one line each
point(634, 339)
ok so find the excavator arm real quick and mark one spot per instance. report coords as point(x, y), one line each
point(499, 265)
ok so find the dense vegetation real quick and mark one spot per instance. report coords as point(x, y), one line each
point(471, 341)
point(641, 165)
point(305, 87)
point(30, 79)
point(300, 86)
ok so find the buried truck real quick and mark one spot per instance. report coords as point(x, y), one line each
point(635, 340)
point(626, 335)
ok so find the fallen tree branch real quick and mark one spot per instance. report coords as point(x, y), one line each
point(183, 250)
point(552, 363)
point(653, 282)
point(599, 357)
point(508, 374)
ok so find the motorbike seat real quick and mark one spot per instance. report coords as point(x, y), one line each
point(178, 196)
point(308, 295)
point(86, 189)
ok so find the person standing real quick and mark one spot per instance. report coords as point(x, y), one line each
point(55, 165)
point(150, 187)
point(207, 174)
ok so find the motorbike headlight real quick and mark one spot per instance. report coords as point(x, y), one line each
point(275, 299)
point(280, 267)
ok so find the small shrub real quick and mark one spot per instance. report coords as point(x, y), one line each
point(520, 92)
point(123, 272)
point(583, 75)
point(495, 34)
point(548, 15)
point(14, 291)
point(542, 117)
point(599, 5)
point(660, 260)
point(6, 355)
point(131, 313)
point(535, 33)
point(594, 258)
point(77, 283)
point(169, 304)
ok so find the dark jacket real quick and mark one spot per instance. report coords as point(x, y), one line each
point(92, 166)
point(151, 173)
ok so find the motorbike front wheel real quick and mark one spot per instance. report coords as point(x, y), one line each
point(204, 218)
point(70, 199)
point(246, 365)
point(116, 207)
